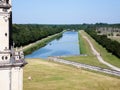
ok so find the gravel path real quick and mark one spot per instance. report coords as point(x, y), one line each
point(95, 52)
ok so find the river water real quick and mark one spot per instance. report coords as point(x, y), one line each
point(67, 45)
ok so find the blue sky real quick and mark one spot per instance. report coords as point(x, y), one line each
point(66, 11)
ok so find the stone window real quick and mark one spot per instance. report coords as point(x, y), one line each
point(5, 10)
point(6, 57)
point(2, 57)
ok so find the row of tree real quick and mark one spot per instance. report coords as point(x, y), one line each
point(111, 45)
point(25, 34)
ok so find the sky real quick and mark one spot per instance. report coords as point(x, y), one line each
point(65, 11)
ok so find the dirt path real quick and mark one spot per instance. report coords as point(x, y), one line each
point(97, 54)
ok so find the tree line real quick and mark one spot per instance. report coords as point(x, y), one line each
point(111, 45)
point(28, 33)
point(23, 34)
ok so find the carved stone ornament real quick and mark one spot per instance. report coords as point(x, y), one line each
point(6, 17)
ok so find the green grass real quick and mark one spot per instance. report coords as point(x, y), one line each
point(82, 44)
point(90, 60)
point(52, 76)
point(85, 49)
point(107, 56)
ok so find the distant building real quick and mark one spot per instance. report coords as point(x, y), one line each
point(11, 60)
point(109, 31)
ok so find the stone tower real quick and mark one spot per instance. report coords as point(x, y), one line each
point(11, 60)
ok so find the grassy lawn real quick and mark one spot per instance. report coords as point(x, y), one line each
point(52, 76)
point(91, 59)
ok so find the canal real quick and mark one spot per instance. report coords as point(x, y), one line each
point(67, 45)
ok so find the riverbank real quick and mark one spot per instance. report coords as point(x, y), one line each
point(38, 44)
point(91, 58)
point(46, 75)
point(81, 44)
point(64, 46)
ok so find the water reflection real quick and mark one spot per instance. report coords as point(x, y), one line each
point(62, 46)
